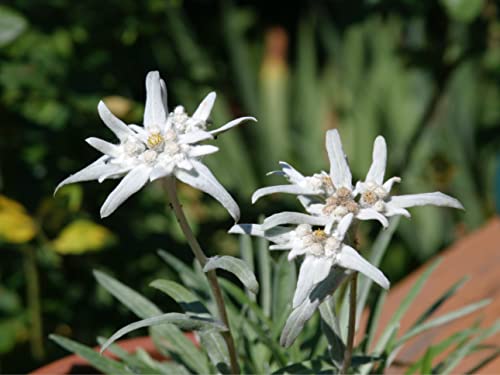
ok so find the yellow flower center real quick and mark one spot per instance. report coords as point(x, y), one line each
point(319, 234)
point(155, 139)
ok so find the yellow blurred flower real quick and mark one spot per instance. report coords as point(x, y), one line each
point(82, 236)
point(16, 225)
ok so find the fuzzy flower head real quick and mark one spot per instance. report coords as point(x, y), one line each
point(328, 197)
point(166, 144)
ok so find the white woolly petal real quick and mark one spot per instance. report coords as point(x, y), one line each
point(194, 137)
point(286, 246)
point(343, 226)
point(292, 174)
point(103, 146)
point(201, 178)
point(297, 250)
point(435, 199)
point(89, 173)
point(289, 189)
point(160, 171)
point(232, 124)
point(351, 259)
point(279, 235)
point(393, 210)
point(312, 271)
point(116, 171)
point(339, 169)
point(372, 214)
point(164, 95)
point(379, 161)
point(141, 133)
point(154, 111)
point(117, 126)
point(202, 150)
point(391, 181)
point(130, 184)
point(205, 107)
point(292, 218)
point(186, 164)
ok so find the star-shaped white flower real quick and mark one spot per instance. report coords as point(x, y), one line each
point(165, 145)
point(375, 193)
point(322, 253)
point(327, 197)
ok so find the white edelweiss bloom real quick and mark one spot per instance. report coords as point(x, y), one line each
point(323, 253)
point(165, 145)
point(326, 197)
point(375, 193)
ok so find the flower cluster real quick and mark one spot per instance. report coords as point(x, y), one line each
point(332, 203)
point(166, 144)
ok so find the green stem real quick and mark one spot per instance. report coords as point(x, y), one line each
point(33, 296)
point(211, 275)
point(352, 324)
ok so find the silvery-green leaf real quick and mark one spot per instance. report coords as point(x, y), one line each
point(393, 326)
point(138, 304)
point(330, 328)
point(143, 308)
point(457, 356)
point(284, 278)
point(441, 320)
point(101, 363)
point(264, 261)
point(190, 323)
point(243, 299)
point(214, 344)
point(237, 267)
point(185, 298)
point(130, 359)
point(189, 278)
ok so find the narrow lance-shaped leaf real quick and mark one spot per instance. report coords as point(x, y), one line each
point(237, 267)
point(185, 298)
point(98, 361)
point(183, 321)
point(214, 344)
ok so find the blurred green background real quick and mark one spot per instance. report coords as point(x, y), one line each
point(425, 74)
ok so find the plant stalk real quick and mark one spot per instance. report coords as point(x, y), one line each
point(33, 297)
point(211, 275)
point(352, 324)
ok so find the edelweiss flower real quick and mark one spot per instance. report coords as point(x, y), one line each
point(328, 197)
point(375, 193)
point(166, 145)
point(322, 253)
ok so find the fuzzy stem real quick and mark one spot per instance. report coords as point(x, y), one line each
point(211, 275)
point(352, 324)
point(33, 297)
